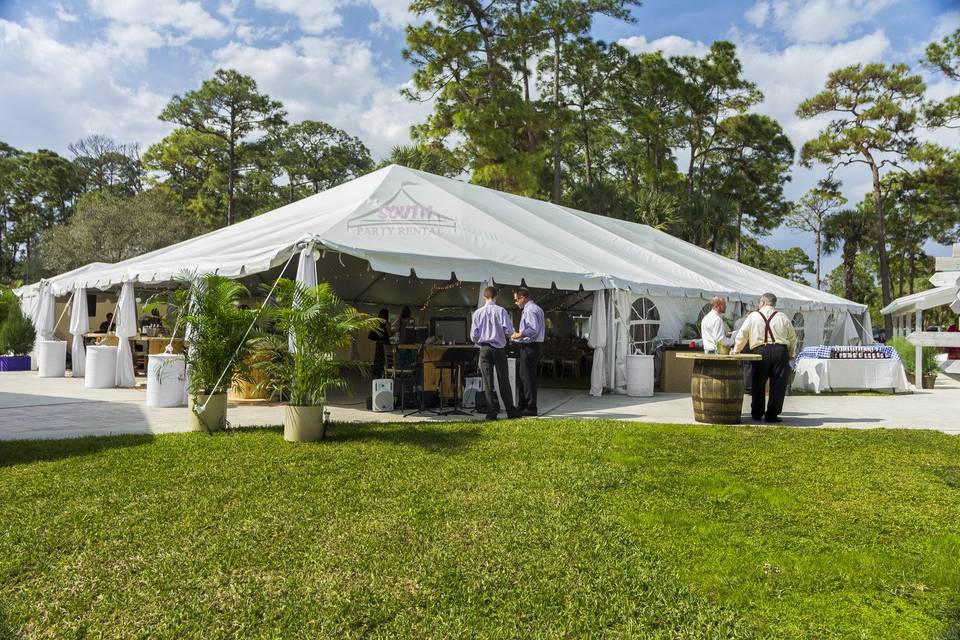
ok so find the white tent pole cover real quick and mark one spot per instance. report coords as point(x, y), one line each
point(598, 341)
point(306, 275)
point(79, 325)
point(126, 323)
point(46, 320)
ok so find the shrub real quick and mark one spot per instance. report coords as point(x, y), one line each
point(907, 352)
point(17, 334)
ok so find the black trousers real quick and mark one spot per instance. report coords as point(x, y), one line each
point(530, 353)
point(775, 367)
point(492, 359)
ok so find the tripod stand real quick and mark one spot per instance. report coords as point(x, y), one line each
point(455, 358)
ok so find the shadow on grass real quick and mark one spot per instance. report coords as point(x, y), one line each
point(449, 440)
point(14, 452)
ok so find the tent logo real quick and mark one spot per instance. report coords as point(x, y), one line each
point(401, 214)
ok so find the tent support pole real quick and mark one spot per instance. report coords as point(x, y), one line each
point(612, 340)
point(918, 353)
point(356, 298)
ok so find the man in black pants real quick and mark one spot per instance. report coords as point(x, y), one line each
point(490, 327)
point(770, 334)
point(529, 336)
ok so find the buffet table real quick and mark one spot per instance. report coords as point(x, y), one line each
point(830, 374)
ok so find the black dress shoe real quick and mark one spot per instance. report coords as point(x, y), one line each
point(489, 417)
point(528, 414)
point(514, 416)
point(757, 418)
point(773, 420)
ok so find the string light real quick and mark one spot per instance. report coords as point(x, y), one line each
point(437, 288)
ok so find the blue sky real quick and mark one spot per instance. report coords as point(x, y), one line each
point(76, 67)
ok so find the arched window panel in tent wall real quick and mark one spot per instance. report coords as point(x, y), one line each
point(799, 326)
point(829, 325)
point(644, 326)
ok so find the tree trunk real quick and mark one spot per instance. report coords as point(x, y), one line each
point(523, 54)
point(881, 244)
point(556, 105)
point(818, 244)
point(230, 185)
point(739, 232)
point(913, 270)
point(900, 277)
point(849, 268)
point(586, 149)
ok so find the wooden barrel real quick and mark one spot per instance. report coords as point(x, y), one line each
point(717, 390)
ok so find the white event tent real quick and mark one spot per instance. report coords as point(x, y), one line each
point(423, 227)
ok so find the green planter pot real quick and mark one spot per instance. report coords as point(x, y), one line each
point(303, 424)
point(214, 417)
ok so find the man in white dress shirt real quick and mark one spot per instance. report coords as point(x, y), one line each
point(712, 328)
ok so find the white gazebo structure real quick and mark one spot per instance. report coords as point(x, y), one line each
point(907, 311)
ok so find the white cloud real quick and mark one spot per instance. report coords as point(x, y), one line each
point(393, 13)
point(668, 45)
point(946, 24)
point(789, 75)
point(186, 17)
point(823, 20)
point(757, 14)
point(63, 15)
point(320, 17)
point(313, 17)
point(388, 119)
point(55, 93)
point(329, 79)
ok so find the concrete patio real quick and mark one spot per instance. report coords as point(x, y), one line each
point(33, 407)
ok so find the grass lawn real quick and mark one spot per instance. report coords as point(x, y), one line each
point(515, 529)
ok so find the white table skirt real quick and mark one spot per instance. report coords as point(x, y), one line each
point(814, 374)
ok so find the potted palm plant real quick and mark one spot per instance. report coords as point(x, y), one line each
point(217, 346)
point(17, 335)
point(317, 325)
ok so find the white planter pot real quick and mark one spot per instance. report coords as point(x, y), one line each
point(51, 358)
point(640, 376)
point(303, 424)
point(101, 370)
point(166, 380)
point(214, 415)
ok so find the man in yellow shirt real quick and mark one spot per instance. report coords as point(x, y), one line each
point(770, 334)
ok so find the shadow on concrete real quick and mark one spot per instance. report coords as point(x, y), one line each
point(816, 420)
point(449, 440)
point(15, 452)
point(19, 400)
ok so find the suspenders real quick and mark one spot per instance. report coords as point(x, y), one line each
point(767, 330)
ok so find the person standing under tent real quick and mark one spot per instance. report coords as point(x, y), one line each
point(489, 329)
point(105, 325)
point(380, 335)
point(737, 329)
point(405, 357)
point(712, 328)
point(529, 336)
point(770, 334)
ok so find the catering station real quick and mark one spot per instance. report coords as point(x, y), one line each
point(618, 297)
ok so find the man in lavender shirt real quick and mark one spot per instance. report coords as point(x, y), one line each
point(490, 328)
point(529, 336)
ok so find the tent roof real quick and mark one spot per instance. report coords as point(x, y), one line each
point(401, 220)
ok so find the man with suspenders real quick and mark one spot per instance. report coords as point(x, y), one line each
point(770, 334)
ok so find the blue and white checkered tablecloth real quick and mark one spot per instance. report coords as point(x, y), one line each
point(826, 352)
